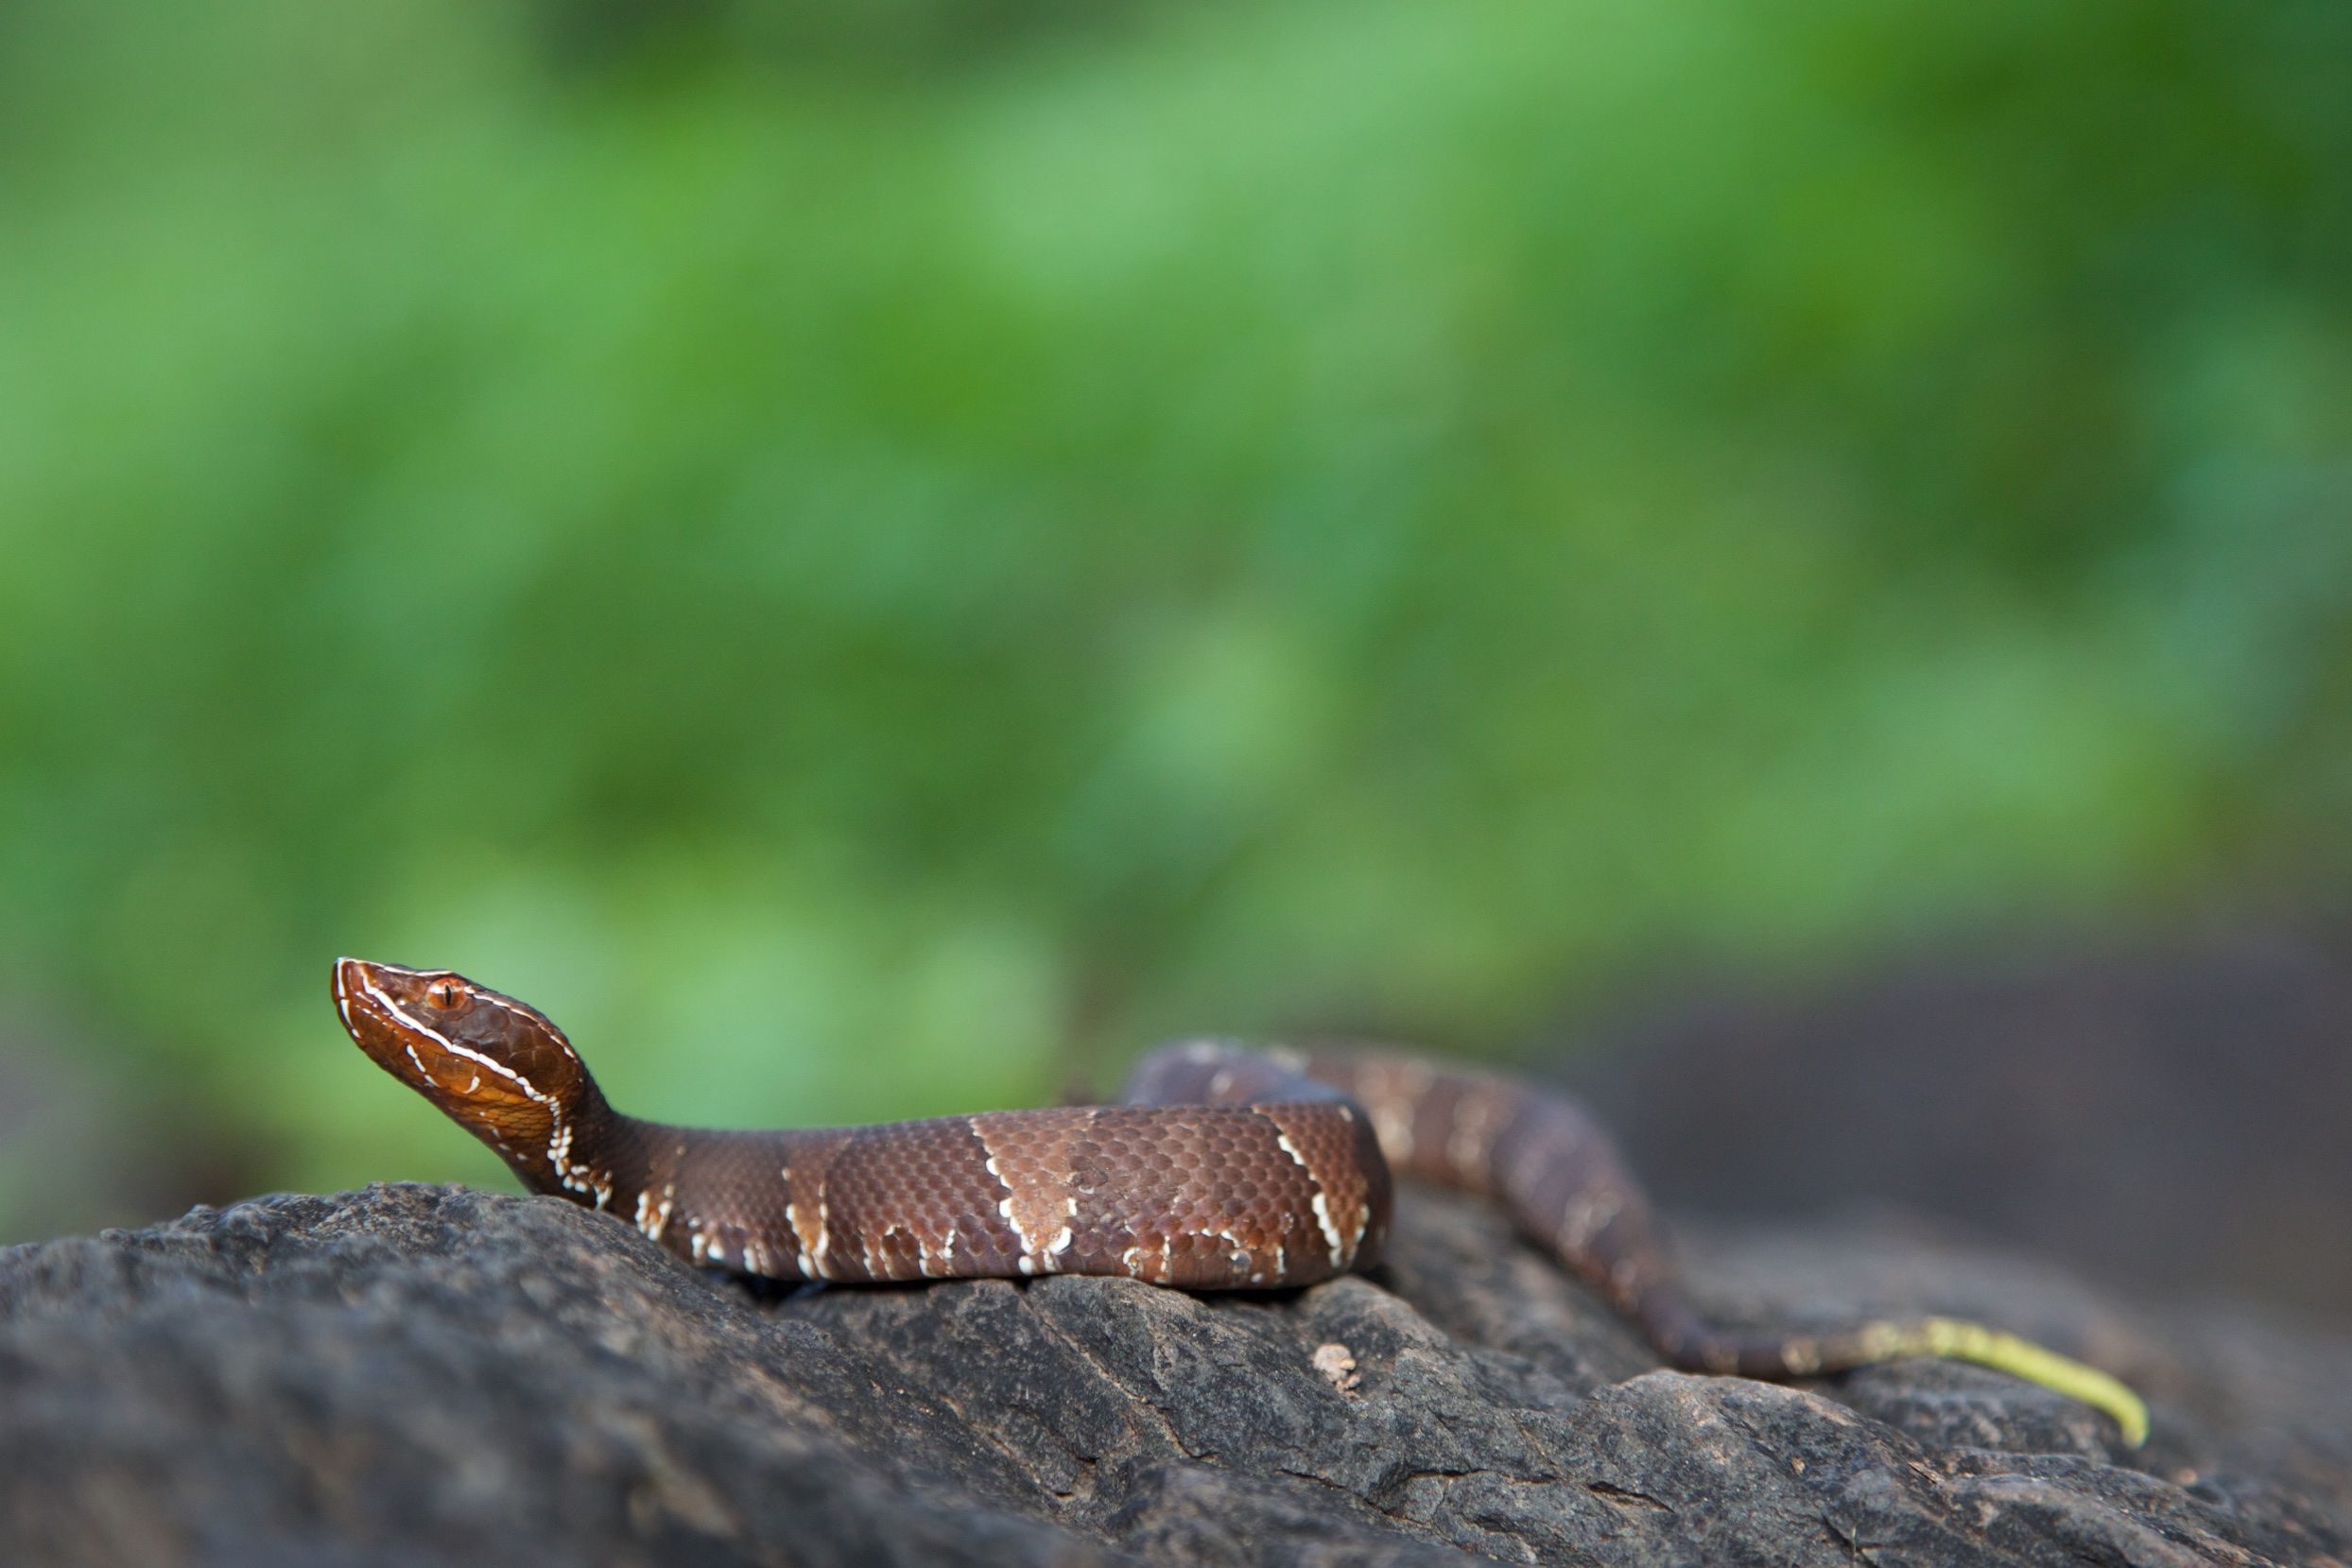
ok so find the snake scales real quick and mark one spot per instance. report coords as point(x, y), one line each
point(1222, 1169)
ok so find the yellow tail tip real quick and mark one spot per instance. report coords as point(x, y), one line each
point(1955, 1340)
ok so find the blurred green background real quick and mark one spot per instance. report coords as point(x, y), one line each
point(875, 565)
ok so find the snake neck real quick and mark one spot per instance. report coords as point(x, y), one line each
point(568, 1150)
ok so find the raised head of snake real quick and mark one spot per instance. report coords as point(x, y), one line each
point(497, 1067)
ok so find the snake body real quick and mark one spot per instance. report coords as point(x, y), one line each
point(1222, 1169)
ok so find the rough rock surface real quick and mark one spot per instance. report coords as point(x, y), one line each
point(423, 1375)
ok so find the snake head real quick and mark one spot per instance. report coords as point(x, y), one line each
point(497, 1067)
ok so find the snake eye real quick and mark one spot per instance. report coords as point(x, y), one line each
point(444, 994)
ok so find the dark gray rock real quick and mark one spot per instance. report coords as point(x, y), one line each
point(431, 1375)
point(2170, 1113)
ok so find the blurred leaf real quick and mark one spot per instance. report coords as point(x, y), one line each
point(867, 564)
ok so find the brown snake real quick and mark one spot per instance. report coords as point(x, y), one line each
point(1222, 1169)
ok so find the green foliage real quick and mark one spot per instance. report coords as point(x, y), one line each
point(851, 562)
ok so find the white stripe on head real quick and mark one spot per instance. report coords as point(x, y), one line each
point(529, 1015)
point(450, 1045)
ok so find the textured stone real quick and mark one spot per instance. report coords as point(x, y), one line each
point(423, 1375)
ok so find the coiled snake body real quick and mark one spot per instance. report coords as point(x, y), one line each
point(1222, 1169)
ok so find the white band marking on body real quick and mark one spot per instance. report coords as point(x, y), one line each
point(1471, 1134)
point(1322, 1210)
